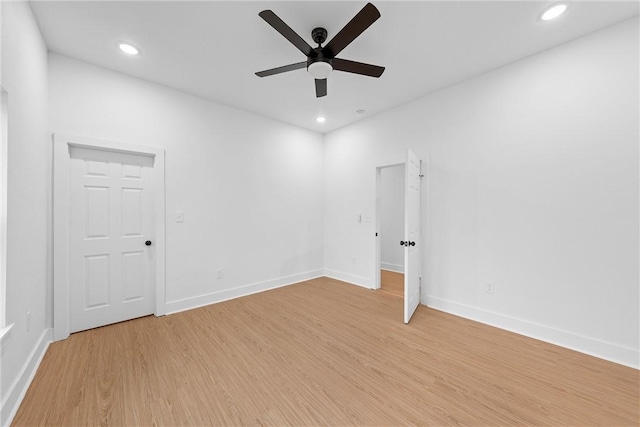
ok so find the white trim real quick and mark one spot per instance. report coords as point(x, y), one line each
point(18, 389)
point(61, 162)
point(591, 346)
point(4, 142)
point(377, 221)
point(365, 282)
point(4, 334)
point(392, 267)
point(241, 291)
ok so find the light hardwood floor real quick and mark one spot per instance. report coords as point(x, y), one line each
point(392, 282)
point(321, 353)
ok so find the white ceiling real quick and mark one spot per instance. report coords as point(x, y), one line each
point(212, 48)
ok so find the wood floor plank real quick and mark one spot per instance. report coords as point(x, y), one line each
point(392, 282)
point(321, 352)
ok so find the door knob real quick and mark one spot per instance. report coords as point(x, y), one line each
point(402, 243)
point(148, 243)
point(412, 243)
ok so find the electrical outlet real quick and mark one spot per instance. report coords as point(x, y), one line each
point(179, 216)
point(220, 273)
point(490, 288)
point(28, 321)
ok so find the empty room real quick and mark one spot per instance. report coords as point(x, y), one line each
point(319, 213)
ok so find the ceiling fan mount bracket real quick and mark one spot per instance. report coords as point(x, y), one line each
point(319, 35)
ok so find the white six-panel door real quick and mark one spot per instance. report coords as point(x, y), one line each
point(111, 253)
point(412, 236)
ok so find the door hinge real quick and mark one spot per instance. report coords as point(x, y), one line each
point(421, 175)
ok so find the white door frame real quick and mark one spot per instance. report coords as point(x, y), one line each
point(61, 212)
point(377, 221)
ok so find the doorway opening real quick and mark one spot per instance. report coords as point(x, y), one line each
point(390, 207)
point(390, 225)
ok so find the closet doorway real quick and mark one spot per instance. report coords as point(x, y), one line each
point(391, 217)
point(398, 200)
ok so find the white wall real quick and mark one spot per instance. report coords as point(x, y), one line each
point(392, 218)
point(532, 184)
point(24, 77)
point(250, 187)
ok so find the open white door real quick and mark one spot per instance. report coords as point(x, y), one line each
point(412, 236)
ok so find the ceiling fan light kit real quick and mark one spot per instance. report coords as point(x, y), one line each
point(319, 69)
point(321, 61)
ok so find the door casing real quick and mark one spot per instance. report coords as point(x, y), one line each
point(61, 206)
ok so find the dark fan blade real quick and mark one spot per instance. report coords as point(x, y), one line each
point(367, 16)
point(357, 67)
point(282, 69)
point(321, 87)
point(279, 25)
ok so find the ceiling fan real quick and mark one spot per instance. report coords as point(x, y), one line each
point(321, 61)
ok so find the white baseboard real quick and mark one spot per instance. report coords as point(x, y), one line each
point(241, 291)
point(349, 278)
point(392, 267)
point(601, 349)
point(18, 389)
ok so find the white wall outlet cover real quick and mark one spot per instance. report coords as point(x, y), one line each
point(490, 288)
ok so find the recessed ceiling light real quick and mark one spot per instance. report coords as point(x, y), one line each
point(554, 11)
point(320, 119)
point(128, 49)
